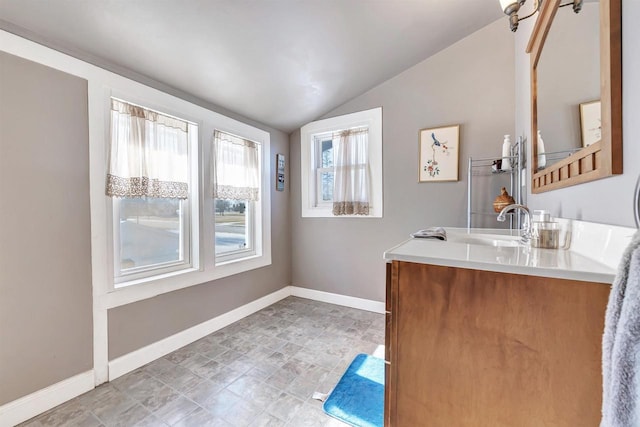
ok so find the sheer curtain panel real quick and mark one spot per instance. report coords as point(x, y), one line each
point(351, 180)
point(148, 154)
point(236, 168)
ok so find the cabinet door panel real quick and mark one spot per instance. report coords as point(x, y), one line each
point(477, 348)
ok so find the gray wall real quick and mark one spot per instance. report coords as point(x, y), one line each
point(142, 323)
point(45, 263)
point(469, 83)
point(608, 200)
point(45, 246)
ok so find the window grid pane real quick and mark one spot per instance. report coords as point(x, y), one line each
point(324, 179)
point(327, 154)
point(232, 233)
point(150, 233)
point(324, 172)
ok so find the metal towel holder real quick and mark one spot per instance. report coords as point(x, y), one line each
point(636, 204)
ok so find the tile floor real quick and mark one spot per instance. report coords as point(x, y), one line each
point(259, 371)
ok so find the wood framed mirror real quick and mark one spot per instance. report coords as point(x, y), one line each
point(603, 157)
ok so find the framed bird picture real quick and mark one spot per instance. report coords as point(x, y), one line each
point(439, 150)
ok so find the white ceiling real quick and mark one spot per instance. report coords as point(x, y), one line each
point(280, 62)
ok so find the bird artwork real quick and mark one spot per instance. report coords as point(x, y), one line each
point(438, 149)
point(432, 164)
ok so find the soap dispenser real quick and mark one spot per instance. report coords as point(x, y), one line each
point(542, 157)
point(544, 232)
point(506, 153)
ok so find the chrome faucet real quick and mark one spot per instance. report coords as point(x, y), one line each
point(526, 226)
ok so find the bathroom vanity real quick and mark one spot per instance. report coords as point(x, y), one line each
point(482, 330)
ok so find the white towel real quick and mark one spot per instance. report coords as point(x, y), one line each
point(621, 344)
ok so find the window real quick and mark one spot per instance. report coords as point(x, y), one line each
point(161, 175)
point(236, 184)
point(324, 169)
point(341, 171)
point(149, 182)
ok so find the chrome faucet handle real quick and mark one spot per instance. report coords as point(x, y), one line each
point(526, 226)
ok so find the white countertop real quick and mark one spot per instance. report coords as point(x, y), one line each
point(461, 250)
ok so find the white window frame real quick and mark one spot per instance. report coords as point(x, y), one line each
point(253, 220)
point(204, 266)
point(190, 238)
point(371, 119)
point(219, 267)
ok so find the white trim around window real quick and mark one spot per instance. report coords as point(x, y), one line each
point(371, 119)
point(203, 266)
point(188, 232)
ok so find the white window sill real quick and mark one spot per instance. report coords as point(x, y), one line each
point(119, 286)
point(138, 290)
point(236, 260)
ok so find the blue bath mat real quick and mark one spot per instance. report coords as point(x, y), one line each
point(358, 398)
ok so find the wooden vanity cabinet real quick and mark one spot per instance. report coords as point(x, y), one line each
point(479, 348)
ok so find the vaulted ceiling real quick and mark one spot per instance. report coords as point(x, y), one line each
point(279, 62)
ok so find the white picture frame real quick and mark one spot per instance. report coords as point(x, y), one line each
point(590, 122)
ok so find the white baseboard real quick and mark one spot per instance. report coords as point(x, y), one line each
point(344, 300)
point(144, 355)
point(135, 359)
point(44, 399)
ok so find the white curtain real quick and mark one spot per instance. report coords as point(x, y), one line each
point(351, 179)
point(148, 154)
point(235, 166)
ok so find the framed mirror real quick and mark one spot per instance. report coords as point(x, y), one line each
point(577, 110)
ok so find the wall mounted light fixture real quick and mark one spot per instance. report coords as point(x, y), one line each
point(511, 8)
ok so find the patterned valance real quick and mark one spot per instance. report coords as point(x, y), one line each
point(235, 166)
point(148, 153)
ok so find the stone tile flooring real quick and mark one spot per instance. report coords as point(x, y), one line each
point(259, 371)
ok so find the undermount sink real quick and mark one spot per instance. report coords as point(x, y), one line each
point(496, 240)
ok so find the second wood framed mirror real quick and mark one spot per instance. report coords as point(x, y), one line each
point(602, 156)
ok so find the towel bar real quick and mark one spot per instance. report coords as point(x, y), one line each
point(636, 203)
